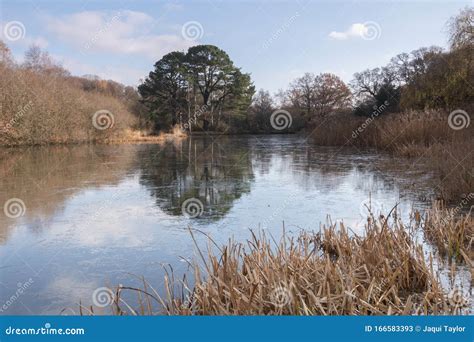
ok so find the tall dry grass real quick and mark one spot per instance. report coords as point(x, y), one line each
point(453, 236)
point(333, 272)
point(39, 107)
point(425, 136)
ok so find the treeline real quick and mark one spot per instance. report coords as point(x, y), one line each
point(42, 103)
point(419, 105)
point(427, 78)
point(203, 90)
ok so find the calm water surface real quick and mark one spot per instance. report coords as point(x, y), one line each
point(97, 214)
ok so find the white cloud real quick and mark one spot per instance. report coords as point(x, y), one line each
point(25, 41)
point(356, 30)
point(124, 32)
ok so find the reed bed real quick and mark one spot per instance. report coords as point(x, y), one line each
point(425, 136)
point(383, 271)
point(451, 234)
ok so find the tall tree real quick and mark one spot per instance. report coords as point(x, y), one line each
point(317, 96)
point(331, 94)
point(164, 90)
point(461, 29)
point(219, 83)
point(260, 111)
point(198, 86)
point(301, 94)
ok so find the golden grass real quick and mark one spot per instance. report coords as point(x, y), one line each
point(333, 272)
point(130, 135)
point(425, 136)
point(453, 236)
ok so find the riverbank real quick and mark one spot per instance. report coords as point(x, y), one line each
point(434, 140)
point(383, 271)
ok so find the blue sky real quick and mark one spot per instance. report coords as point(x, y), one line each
point(275, 41)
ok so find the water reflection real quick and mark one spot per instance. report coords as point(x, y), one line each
point(44, 178)
point(95, 214)
point(215, 172)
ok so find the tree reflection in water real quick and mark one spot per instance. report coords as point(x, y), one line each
point(214, 171)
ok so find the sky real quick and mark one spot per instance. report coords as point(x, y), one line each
point(274, 41)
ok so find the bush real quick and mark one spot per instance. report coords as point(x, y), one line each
point(40, 106)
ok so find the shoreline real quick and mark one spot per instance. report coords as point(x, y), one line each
point(383, 271)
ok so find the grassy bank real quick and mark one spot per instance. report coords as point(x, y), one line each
point(427, 137)
point(332, 272)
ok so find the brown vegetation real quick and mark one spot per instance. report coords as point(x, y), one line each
point(334, 272)
point(452, 236)
point(41, 103)
point(424, 136)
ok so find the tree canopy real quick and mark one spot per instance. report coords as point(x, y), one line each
point(199, 90)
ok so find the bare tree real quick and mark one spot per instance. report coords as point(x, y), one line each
point(461, 29)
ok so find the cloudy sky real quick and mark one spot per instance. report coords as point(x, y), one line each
point(275, 41)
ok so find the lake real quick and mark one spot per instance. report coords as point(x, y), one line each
point(103, 215)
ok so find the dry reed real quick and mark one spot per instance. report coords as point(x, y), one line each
point(426, 136)
point(384, 271)
point(451, 234)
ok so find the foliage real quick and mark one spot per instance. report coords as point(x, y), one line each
point(317, 96)
point(426, 78)
point(197, 90)
point(41, 103)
